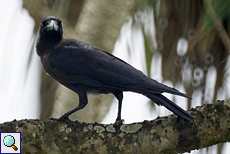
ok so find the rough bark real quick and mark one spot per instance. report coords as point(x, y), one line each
point(163, 135)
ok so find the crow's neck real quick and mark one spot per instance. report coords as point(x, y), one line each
point(46, 45)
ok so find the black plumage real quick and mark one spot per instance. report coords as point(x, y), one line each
point(83, 68)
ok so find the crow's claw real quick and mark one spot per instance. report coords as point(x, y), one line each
point(65, 119)
point(119, 122)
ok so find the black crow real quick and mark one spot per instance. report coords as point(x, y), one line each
point(86, 69)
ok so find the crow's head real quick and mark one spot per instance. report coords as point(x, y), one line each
point(51, 27)
point(50, 35)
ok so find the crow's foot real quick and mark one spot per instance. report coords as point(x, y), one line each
point(64, 119)
point(119, 122)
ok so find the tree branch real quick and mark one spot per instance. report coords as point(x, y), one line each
point(163, 135)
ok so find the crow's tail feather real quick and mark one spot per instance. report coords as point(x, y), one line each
point(162, 100)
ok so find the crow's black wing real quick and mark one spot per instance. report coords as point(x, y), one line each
point(80, 63)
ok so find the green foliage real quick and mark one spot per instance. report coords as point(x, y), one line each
point(221, 9)
point(147, 3)
point(148, 52)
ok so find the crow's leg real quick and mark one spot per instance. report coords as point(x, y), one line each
point(119, 96)
point(82, 103)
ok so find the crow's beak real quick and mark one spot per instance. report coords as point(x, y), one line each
point(52, 26)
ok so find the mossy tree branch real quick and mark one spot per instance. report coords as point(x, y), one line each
point(163, 135)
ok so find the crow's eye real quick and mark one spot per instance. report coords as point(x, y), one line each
point(47, 22)
point(44, 23)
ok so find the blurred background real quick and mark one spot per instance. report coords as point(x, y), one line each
point(181, 43)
